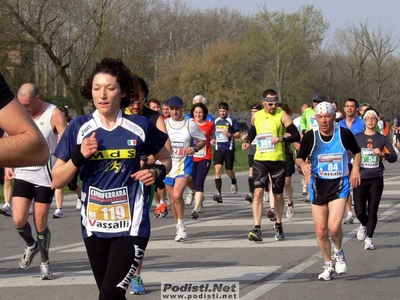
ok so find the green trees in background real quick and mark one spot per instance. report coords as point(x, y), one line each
point(219, 53)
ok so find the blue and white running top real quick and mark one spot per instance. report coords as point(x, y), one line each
point(114, 205)
point(329, 159)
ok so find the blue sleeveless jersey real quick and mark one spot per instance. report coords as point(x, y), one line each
point(329, 160)
point(114, 205)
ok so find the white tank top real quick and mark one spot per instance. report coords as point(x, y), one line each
point(41, 175)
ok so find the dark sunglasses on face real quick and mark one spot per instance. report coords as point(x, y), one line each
point(272, 103)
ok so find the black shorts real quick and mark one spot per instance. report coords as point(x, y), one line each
point(261, 169)
point(227, 156)
point(24, 189)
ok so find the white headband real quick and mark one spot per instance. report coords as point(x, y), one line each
point(324, 108)
point(369, 112)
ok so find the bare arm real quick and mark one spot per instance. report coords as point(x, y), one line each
point(58, 122)
point(25, 144)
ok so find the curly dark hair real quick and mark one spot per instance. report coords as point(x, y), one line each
point(116, 68)
point(205, 110)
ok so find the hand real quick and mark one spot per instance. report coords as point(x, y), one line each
point(190, 151)
point(147, 176)
point(89, 145)
point(9, 173)
point(245, 146)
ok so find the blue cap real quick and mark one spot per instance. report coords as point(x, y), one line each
point(175, 101)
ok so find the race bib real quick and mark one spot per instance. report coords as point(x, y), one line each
point(264, 142)
point(369, 160)
point(330, 165)
point(108, 210)
point(178, 150)
point(313, 123)
point(219, 135)
point(201, 153)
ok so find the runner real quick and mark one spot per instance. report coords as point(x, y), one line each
point(182, 132)
point(375, 147)
point(330, 184)
point(35, 182)
point(269, 125)
point(227, 129)
point(202, 158)
point(106, 148)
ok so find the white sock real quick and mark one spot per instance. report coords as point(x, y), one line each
point(162, 201)
point(180, 222)
point(350, 213)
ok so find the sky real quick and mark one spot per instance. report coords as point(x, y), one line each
point(340, 14)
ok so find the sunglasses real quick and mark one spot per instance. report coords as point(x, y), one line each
point(272, 103)
point(138, 102)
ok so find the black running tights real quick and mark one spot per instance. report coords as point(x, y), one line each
point(114, 262)
point(366, 202)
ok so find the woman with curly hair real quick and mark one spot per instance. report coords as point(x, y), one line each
point(106, 147)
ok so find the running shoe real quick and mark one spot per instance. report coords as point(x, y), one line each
point(348, 220)
point(45, 271)
point(328, 273)
point(266, 197)
point(157, 211)
point(6, 210)
point(78, 204)
point(308, 200)
point(255, 235)
point(163, 211)
point(304, 191)
point(279, 236)
point(26, 259)
point(217, 197)
point(190, 197)
point(368, 244)
point(271, 214)
point(361, 233)
point(249, 197)
point(194, 214)
point(58, 214)
point(137, 286)
point(181, 234)
point(234, 188)
point(340, 262)
point(290, 211)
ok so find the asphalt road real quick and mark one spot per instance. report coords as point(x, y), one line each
point(218, 250)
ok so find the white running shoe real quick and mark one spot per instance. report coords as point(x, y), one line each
point(266, 197)
point(234, 188)
point(361, 233)
point(181, 234)
point(340, 262)
point(368, 244)
point(45, 271)
point(328, 273)
point(290, 212)
point(58, 214)
point(190, 197)
point(78, 204)
point(348, 220)
point(6, 209)
point(304, 191)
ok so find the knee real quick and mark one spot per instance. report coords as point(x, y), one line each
point(321, 233)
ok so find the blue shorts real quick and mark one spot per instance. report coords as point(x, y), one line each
point(323, 191)
point(171, 180)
